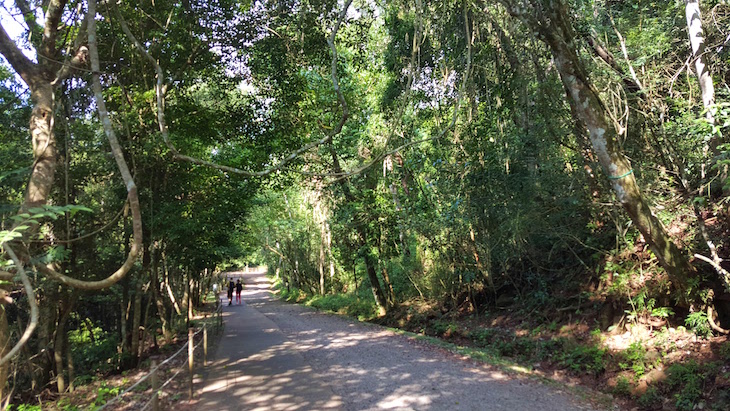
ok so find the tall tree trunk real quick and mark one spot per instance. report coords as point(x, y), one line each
point(69, 365)
point(322, 254)
point(170, 294)
point(388, 285)
point(159, 303)
point(186, 306)
point(42, 365)
point(707, 88)
point(4, 348)
point(41, 77)
point(124, 317)
point(550, 20)
point(136, 322)
point(61, 339)
point(697, 42)
point(146, 324)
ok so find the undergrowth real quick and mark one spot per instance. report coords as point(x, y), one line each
point(347, 304)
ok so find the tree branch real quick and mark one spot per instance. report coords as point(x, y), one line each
point(31, 301)
point(160, 93)
point(22, 65)
point(339, 174)
point(608, 58)
point(28, 15)
point(50, 29)
point(80, 57)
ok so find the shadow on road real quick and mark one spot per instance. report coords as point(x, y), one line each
point(278, 356)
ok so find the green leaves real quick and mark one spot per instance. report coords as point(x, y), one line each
point(48, 211)
point(34, 216)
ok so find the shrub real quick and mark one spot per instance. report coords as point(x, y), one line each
point(334, 302)
point(623, 386)
point(588, 359)
point(364, 309)
point(482, 337)
point(635, 359)
point(650, 399)
point(94, 351)
point(697, 322)
point(688, 379)
point(105, 393)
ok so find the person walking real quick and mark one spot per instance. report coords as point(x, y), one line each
point(239, 288)
point(231, 286)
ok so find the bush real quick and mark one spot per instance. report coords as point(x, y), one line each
point(94, 351)
point(650, 399)
point(634, 358)
point(482, 337)
point(292, 295)
point(588, 359)
point(697, 322)
point(689, 380)
point(105, 393)
point(336, 303)
point(363, 309)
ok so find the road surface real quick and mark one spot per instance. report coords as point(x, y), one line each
point(279, 356)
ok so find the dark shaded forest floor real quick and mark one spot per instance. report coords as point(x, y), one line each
point(643, 366)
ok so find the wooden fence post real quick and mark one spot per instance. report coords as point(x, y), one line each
point(205, 345)
point(191, 351)
point(155, 385)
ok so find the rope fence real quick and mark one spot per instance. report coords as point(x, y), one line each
point(153, 403)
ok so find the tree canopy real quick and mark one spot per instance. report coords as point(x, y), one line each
point(469, 154)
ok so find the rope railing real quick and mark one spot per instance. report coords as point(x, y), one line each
point(169, 380)
point(156, 367)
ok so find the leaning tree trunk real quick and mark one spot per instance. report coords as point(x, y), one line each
point(550, 20)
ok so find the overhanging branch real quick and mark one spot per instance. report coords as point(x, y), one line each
point(160, 91)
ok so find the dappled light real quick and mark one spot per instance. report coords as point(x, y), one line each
point(431, 187)
point(279, 356)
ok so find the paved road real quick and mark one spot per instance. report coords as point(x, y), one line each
point(278, 356)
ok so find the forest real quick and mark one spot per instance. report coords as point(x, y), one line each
point(546, 180)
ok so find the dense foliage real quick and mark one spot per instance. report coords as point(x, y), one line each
point(457, 154)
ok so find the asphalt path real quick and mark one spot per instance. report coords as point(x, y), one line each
point(280, 356)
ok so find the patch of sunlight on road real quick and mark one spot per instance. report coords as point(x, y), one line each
point(336, 341)
point(400, 401)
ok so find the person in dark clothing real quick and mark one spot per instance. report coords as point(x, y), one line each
point(231, 286)
point(239, 288)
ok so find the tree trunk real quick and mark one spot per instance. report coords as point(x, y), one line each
point(377, 290)
point(41, 78)
point(61, 340)
point(363, 236)
point(388, 285)
point(124, 317)
point(69, 365)
point(136, 322)
point(553, 26)
point(697, 42)
point(159, 303)
point(42, 365)
point(4, 348)
point(146, 325)
point(322, 245)
point(170, 294)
